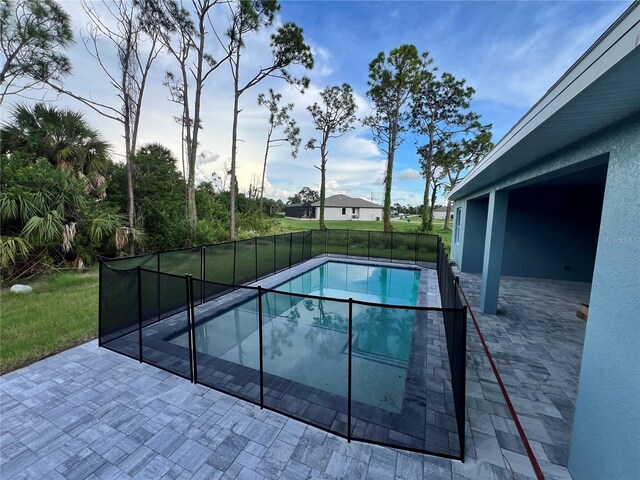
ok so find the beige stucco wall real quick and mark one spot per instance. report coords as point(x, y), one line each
point(335, 213)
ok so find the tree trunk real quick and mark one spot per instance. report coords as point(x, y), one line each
point(186, 140)
point(389, 178)
point(426, 222)
point(448, 216)
point(323, 174)
point(264, 166)
point(131, 201)
point(234, 133)
point(193, 154)
point(425, 206)
point(131, 205)
point(434, 191)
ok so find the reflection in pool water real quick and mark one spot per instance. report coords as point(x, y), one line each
point(305, 340)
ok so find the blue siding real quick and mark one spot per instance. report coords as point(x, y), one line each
point(552, 232)
point(606, 429)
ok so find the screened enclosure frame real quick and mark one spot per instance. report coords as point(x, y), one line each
point(147, 297)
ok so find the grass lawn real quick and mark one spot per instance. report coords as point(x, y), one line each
point(62, 311)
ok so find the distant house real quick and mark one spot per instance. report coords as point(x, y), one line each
point(342, 207)
point(440, 213)
point(337, 207)
point(300, 210)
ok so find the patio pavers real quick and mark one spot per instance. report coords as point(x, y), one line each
point(91, 413)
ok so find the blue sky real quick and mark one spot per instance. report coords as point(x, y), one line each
point(510, 52)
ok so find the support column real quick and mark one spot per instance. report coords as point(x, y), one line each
point(606, 427)
point(493, 247)
point(475, 231)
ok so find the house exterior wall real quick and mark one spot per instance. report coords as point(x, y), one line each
point(606, 429)
point(557, 230)
point(335, 213)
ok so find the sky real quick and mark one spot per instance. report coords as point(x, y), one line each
point(509, 52)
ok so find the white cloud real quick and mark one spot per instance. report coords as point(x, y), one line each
point(529, 64)
point(322, 61)
point(408, 174)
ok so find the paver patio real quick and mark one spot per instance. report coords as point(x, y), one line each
point(91, 413)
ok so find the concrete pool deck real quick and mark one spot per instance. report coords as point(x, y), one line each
point(92, 413)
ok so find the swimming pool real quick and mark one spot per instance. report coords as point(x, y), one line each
point(305, 340)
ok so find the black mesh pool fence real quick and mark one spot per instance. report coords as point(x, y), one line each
point(328, 362)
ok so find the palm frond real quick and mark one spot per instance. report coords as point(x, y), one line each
point(44, 228)
point(104, 225)
point(11, 248)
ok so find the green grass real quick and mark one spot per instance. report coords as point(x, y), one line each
point(61, 312)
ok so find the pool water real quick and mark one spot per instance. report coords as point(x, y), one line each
point(306, 340)
point(367, 283)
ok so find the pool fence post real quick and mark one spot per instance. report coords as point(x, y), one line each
point(391, 246)
point(463, 374)
point(303, 235)
point(203, 266)
point(100, 265)
point(189, 298)
point(415, 248)
point(326, 242)
point(290, 247)
point(275, 240)
point(192, 330)
point(347, 243)
point(235, 245)
point(260, 346)
point(158, 285)
point(369, 246)
point(255, 251)
point(349, 372)
point(139, 313)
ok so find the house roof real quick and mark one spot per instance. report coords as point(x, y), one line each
point(346, 202)
point(598, 90)
point(304, 204)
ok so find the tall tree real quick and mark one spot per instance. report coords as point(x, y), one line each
point(287, 48)
point(393, 80)
point(123, 30)
point(305, 195)
point(188, 41)
point(459, 155)
point(332, 119)
point(34, 35)
point(440, 112)
point(278, 117)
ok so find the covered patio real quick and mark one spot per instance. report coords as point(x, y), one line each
point(536, 342)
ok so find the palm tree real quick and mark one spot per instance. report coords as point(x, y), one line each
point(63, 137)
point(52, 180)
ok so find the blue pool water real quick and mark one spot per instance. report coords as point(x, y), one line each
point(306, 340)
point(368, 283)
